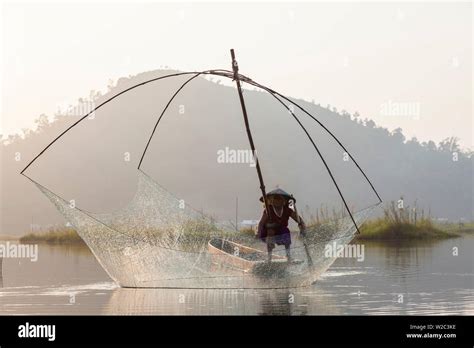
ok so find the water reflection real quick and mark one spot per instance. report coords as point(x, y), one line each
point(404, 278)
point(220, 302)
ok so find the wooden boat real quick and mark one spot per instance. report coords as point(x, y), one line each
point(243, 258)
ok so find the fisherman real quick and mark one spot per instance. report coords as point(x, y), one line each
point(273, 227)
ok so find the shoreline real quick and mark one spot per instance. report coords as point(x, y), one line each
point(375, 230)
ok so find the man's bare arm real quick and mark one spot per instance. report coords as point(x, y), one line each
point(299, 221)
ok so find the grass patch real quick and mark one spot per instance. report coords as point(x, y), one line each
point(56, 235)
point(404, 223)
point(381, 229)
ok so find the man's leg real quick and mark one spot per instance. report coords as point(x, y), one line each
point(270, 247)
point(270, 244)
point(287, 249)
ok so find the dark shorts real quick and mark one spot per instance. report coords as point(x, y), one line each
point(283, 237)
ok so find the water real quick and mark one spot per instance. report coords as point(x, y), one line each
point(411, 278)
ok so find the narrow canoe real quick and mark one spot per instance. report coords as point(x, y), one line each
point(240, 257)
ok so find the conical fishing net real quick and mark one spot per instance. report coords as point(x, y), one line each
point(177, 220)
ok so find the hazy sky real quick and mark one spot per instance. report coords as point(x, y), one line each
point(402, 64)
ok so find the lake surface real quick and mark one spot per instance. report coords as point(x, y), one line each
point(410, 278)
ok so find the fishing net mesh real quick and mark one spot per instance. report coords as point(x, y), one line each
point(159, 241)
